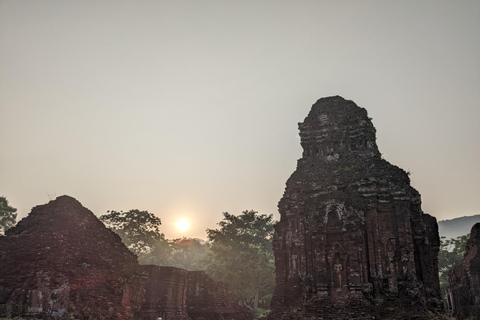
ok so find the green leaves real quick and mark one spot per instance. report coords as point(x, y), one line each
point(242, 255)
point(248, 229)
point(139, 230)
point(450, 254)
point(240, 252)
point(8, 215)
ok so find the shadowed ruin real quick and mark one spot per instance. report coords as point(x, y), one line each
point(210, 300)
point(352, 242)
point(61, 261)
point(165, 293)
point(463, 297)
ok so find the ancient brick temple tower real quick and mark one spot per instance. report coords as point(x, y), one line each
point(352, 241)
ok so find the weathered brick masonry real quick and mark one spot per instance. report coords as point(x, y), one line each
point(352, 242)
point(61, 261)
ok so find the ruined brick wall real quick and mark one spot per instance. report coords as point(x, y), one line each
point(463, 297)
point(61, 260)
point(166, 293)
point(208, 299)
point(178, 294)
point(352, 241)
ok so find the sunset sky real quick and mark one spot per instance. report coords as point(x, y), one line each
point(190, 108)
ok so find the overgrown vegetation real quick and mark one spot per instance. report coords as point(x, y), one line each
point(239, 253)
point(8, 215)
point(450, 254)
point(139, 230)
point(188, 254)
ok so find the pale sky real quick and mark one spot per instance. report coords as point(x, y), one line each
point(190, 108)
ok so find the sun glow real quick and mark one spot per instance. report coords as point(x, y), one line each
point(182, 224)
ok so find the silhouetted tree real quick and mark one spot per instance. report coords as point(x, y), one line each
point(189, 254)
point(450, 254)
point(185, 253)
point(241, 254)
point(160, 254)
point(139, 230)
point(8, 215)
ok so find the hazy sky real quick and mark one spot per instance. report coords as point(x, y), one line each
point(190, 108)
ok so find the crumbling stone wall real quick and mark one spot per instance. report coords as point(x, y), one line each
point(61, 261)
point(178, 294)
point(463, 297)
point(352, 241)
point(211, 300)
point(166, 293)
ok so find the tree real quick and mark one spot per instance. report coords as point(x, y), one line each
point(160, 254)
point(450, 254)
point(139, 230)
point(189, 254)
point(184, 253)
point(8, 215)
point(241, 254)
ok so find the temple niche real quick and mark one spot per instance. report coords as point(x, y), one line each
point(352, 240)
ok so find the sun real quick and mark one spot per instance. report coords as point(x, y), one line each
point(182, 224)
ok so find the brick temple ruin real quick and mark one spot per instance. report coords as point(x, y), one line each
point(61, 261)
point(352, 242)
point(463, 296)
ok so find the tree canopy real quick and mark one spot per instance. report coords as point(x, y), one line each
point(139, 230)
point(450, 254)
point(188, 254)
point(241, 254)
point(8, 215)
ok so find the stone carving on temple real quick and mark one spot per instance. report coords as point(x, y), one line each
point(352, 241)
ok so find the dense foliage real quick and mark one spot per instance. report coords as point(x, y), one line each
point(139, 230)
point(241, 254)
point(451, 253)
point(188, 254)
point(8, 215)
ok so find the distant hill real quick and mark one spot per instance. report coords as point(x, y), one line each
point(457, 227)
